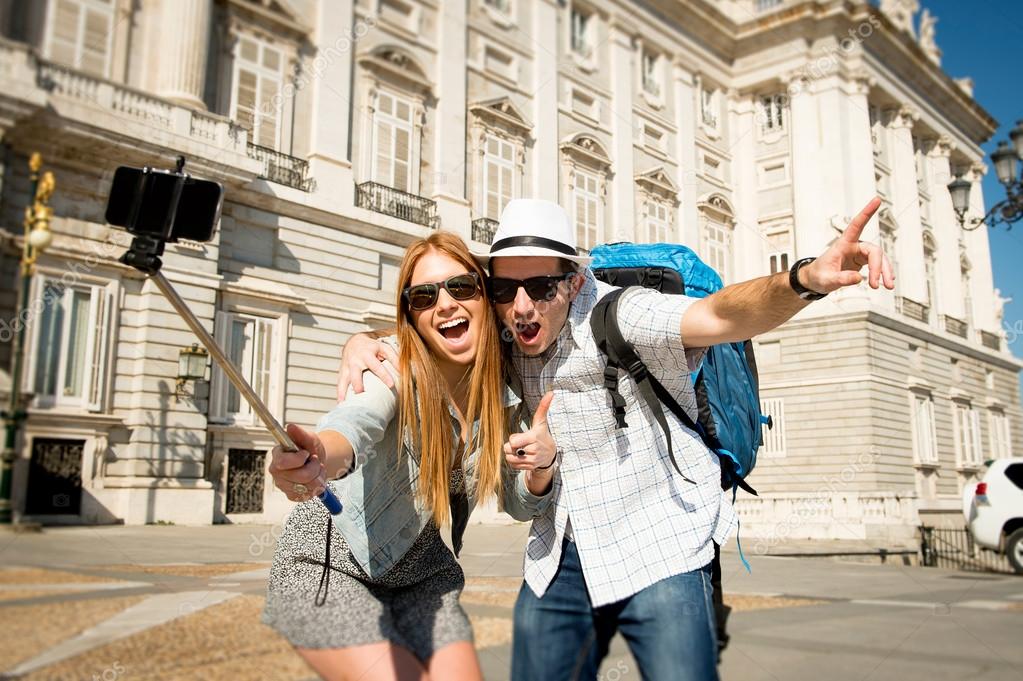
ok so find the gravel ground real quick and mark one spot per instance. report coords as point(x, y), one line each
point(200, 570)
point(16, 575)
point(31, 629)
point(226, 641)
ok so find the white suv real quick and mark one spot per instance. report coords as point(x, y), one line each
point(994, 509)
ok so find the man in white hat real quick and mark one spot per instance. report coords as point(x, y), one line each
point(627, 543)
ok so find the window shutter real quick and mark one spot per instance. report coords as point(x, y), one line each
point(218, 389)
point(245, 100)
point(64, 35)
point(268, 116)
point(774, 438)
point(96, 42)
point(95, 384)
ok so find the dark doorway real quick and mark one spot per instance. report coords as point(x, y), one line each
point(55, 477)
point(245, 480)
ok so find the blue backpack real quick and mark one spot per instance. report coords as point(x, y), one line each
point(727, 391)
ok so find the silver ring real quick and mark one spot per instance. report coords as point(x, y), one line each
point(300, 488)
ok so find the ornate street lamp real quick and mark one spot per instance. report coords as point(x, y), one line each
point(37, 239)
point(191, 365)
point(1009, 210)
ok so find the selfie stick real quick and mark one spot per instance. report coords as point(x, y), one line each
point(143, 255)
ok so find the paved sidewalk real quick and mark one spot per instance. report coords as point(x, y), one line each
point(168, 602)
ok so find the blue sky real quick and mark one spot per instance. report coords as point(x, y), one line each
point(982, 39)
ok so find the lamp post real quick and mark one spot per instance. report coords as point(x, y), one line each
point(37, 239)
point(1010, 209)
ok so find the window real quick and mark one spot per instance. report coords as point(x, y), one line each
point(255, 104)
point(502, 6)
point(70, 335)
point(651, 75)
point(967, 298)
point(586, 200)
point(925, 438)
point(499, 62)
point(1001, 440)
point(772, 113)
point(967, 434)
point(584, 104)
point(581, 40)
point(709, 107)
point(774, 438)
point(499, 170)
point(778, 262)
point(773, 174)
point(392, 141)
point(931, 277)
point(712, 167)
point(253, 344)
point(653, 138)
point(717, 242)
point(658, 222)
point(80, 34)
point(878, 133)
point(887, 239)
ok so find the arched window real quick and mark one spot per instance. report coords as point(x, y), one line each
point(586, 166)
point(717, 226)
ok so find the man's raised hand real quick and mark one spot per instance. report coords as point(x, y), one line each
point(840, 265)
point(535, 447)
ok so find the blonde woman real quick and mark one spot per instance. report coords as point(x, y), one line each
point(376, 595)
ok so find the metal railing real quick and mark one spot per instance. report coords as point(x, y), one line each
point(956, 327)
point(483, 230)
point(396, 203)
point(913, 309)
point(949, 547)
point(281, 168)
point(990, 340)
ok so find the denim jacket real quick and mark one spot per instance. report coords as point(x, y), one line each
point(382, 516)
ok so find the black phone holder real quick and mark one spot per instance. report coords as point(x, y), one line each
point(159, 207)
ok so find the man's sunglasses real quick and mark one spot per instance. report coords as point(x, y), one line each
point(459, 287)
point(537, 288)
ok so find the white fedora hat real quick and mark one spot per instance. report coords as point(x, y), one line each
point(533, 227)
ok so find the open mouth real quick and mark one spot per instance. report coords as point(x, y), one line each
point(528, 332)
point(454, 330)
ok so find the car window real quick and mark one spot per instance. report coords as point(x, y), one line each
point(1015, 473)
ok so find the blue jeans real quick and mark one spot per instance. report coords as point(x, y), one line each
point(669, 627)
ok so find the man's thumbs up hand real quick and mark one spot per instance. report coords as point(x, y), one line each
point(535, 448)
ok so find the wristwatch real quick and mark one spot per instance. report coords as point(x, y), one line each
point(802, 291)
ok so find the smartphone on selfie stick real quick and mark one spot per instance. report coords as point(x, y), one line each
point(158, 207)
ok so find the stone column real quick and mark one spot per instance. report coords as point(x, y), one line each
point(181, 53)
point(623, 192)
point(905, 207)
point(545, 162)
point(978, 250)
point(449, 169)
point(330, 78)
point(686, 111)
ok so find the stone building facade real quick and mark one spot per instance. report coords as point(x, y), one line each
point(343, 129)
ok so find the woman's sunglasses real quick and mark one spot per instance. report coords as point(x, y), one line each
point(459, 287)
point(537, 288)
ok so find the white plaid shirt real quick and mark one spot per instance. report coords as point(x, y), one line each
point(635, 521)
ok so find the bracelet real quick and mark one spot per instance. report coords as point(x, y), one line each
point(543, 468)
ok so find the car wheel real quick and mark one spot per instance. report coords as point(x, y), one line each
point(1014, 550)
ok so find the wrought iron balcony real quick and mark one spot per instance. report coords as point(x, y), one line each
point(396, 203)
point(913, 309)
point(955, 326)
point(281, 168)
point(990, 340)
point(483, 230)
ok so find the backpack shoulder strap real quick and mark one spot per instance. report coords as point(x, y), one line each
point(622, 355)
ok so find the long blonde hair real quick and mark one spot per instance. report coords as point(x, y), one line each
point(425, 418)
